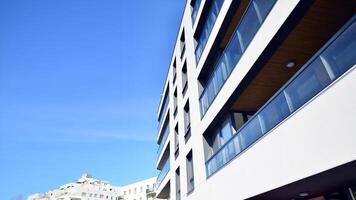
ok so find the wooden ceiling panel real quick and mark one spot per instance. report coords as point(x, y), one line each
point(322, 20)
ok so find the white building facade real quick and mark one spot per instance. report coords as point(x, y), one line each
point(89, 188)
point(260, 102)
point(140, 190)
point(86, 188)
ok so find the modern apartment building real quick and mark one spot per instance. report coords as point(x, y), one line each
point(260, 102)
point(89, 188)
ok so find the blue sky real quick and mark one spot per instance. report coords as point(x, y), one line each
point(80, 82)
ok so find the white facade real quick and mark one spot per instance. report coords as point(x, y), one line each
point(86, 188)
point(89, 188)
point(260, 102)
point(140, 190)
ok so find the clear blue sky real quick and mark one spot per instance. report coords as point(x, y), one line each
point(80, 82)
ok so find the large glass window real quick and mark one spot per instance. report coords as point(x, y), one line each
point(187, 121)
point(178, 184)
point(190, 172)
point(176, 141)
point(174, 71)
point(175, 103)
point(184, 78)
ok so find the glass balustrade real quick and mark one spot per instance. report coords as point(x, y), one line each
point(163, 172)
point(163, 111)
point(251, 21)
point(208, 26)
point(195, 10)
point(163, 141)
point(326, 66)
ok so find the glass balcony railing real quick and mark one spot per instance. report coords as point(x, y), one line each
point(195, 10)
point(163, 141)
point(208, 26)
point(251, 21)
point(163, 172)
point(163, 111)
point(332, 61)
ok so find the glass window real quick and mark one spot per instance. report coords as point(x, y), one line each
point(204, 102)
point(226, 132)
point(187, 117)
point(178, 184)
point(190, 171)
point(216, 141)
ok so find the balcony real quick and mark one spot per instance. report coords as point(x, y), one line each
point(332, 61)
point(164, 171)
point(207, 27)
point(249, 24)
point(150, 193)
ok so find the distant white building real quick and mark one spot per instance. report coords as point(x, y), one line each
point(89, 188)
point(141, 190)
